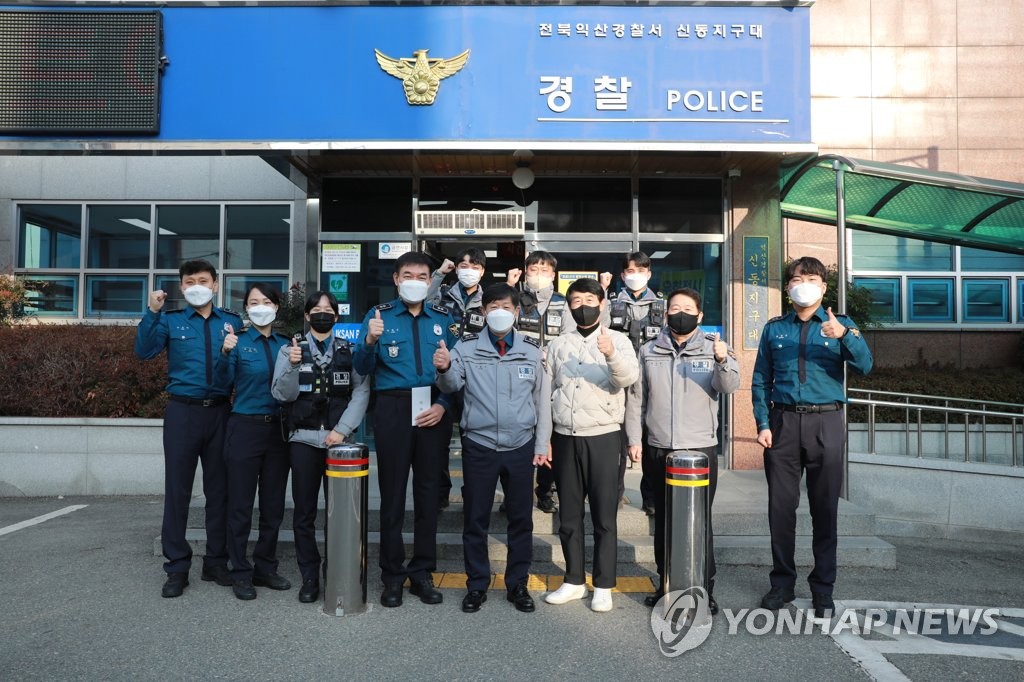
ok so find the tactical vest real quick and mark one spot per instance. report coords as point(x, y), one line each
point(541, 328)
point(641, 330)
point(324, 392)
point(468, 321)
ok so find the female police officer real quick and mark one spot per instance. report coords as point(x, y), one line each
point(327, 401)
point(254, 449)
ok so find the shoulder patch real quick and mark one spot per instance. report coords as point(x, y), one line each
point(383, 306)
point(532, 341)
point(709, 337)
point(854, 331)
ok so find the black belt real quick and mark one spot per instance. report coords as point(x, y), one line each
point(205, 402)
point(803, 409)
point(269, 418)
point(397, 393)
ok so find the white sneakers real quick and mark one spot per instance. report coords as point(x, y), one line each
point(568, 592)
point(602, 600)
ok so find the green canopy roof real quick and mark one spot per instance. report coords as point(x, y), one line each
point(907, 202)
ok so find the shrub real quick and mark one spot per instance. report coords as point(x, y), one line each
point(78, 371)
point(12, 299)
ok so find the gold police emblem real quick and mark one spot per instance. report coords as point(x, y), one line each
point(421, 77)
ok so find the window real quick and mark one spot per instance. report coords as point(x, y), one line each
point(187, 233)
point(366, 205)
point(1020, 301)
point(680, 206)
point(697, 266)
point(50, 236)
point(883, 252)
point(989, 261)
point(51, 295)
point(885, 297)
point(931, 300)
point(115, 295)
point(125, 257)
point(119, 236)
point(986, 300)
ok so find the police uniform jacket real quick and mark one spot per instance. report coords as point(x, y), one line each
point(588, 390)
point(190, 358)
point(403, 357)
point(798, 365)
point(286, 389)
point(250, 368)
point(676, 397)
point(504, 395)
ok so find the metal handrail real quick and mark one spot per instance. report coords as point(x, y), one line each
point(966, 412)
point(871, 391)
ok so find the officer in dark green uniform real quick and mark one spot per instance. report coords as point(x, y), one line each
point(798, 396)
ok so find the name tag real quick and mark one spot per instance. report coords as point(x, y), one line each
point(526, 372)
point(700, 366)
point(342, 378)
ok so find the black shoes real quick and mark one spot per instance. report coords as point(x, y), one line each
point(391, 596)
point(472, 601)
point(175, 585)
point(244, 590)
point(310, 591)
point(520, 598)
point(219, 574)
point(652, 599)
point(547, 505)
point(648, 509)
point(776, 598)
point(270, 580)
point(822, 603)
point(442, 504)
point(425, 590)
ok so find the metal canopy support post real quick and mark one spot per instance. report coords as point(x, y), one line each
point(840, 169)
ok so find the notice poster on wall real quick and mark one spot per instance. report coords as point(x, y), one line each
point(392, 250)
point(567, 277)
point(340, 257)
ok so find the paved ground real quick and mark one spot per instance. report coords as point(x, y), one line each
point(80, 599)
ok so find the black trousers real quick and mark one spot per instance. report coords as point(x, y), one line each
point(481, 470)
point(811, 442)
point(256, 456)
point(401, 446)
point(193, 433)
point(654, 461)
point(649, 471)
point(588, 467)
point(309, 466)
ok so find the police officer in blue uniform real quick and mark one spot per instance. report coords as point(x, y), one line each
point(325, 401)
point(798, 396)
point(255, 452)
point(194, 420)
point(397, 348)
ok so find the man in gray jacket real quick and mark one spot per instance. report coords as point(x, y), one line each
point(504, 405)
point(590, 369)
point(682, 373)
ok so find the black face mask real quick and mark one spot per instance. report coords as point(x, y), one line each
point(321, 322)
point(682, 323)
point(586, 315)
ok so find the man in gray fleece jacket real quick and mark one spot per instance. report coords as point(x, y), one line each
point(589, 369)
point(682, 373)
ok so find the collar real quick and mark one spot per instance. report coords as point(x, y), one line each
point(509, 339)
point(645, 295)
point(192, 312)
point(666, 343)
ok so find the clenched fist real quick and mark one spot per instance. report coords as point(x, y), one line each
point(605, 280)
point(156, 300)
point(446, 267)
point(513, 276)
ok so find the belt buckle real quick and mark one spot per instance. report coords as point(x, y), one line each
point(801, 409)
point(208, 402)
point(268, 418)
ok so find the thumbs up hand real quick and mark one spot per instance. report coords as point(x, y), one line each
point(375, 328)
point(605, 343)
point(720, 348)
point(833, 328)
point(295, 353)
point(230, 340)
point(442, 358)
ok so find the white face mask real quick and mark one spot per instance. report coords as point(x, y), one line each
point(636, 281)
point(197, 295)
point(261, 315)
point(539, 282)
point(412, 290)
point(805, 294)
point(500, 320)
point(469, 277)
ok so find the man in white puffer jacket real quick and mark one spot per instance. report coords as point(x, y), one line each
point(589, 370)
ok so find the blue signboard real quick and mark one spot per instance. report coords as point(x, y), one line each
point(704, 75)
point(350, 331)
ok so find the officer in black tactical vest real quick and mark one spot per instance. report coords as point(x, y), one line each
point(543, 315)
point(639, 313)
point(325, 401)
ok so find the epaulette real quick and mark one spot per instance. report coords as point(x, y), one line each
point(709, 337)
point(841, 315)
point(775, 319)
point(532, 341)
point(229, 311)
point(383, 306)
point(179, 310)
